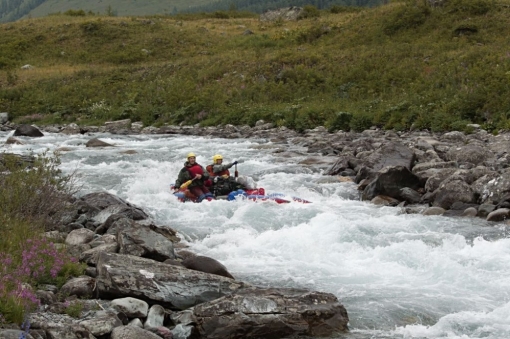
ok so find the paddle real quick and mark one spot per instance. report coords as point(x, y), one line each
point(236, 174)
point(187, 183)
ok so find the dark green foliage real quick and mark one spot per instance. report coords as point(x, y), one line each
point(336, 9)
point(34, 195)
point(339, 121)
point(465, 29)
point(361, 122)
point(79, 12)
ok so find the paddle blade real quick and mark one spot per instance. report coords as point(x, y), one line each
point(236, 174)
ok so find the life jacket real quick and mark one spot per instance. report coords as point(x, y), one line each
point(194, 170)
point(209, 169)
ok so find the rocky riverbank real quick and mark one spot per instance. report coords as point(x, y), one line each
point(141, 283)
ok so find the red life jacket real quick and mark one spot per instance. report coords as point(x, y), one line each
point(209, 169)
point(194, 170)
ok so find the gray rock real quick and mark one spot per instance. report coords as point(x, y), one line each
point(141, 241)
point(101, 323)
point(131, 307)
point(90, 256)
point(255, 312)
point(95, 142)
point(155, 318)
point(434, 211)
point(499, 215)
point(170, 286)
point(83, 286)
point(79, 237)
point(28, 131)
point(470, 212)
point(132, 332)
point(389, 181)
point(451, 191)
point(4, 117)
point(14, 334)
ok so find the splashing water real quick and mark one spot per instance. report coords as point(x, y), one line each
point(399, 276)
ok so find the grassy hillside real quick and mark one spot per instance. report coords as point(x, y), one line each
point(398, 66)
point(117, 7)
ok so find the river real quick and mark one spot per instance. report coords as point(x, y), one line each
point(398, 275)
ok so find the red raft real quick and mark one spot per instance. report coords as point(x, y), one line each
point(259, 194)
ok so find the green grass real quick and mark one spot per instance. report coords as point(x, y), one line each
point(399, 66)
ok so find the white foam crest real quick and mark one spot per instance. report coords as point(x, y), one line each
point(492, 324)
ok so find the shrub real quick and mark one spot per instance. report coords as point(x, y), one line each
point(32, 196)
point(361, 122)
point(340, 121)
point(336, 9)
point(36, 193)
point(35, 261)
point(74, 309)
point(72, 12)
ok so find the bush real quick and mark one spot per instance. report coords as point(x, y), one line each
point(32, 195)
point(340, 121)
point(36, 261)
point(71, 12)
point(33, 191)
point(336, 9)
point(74, 309)
point(361, 122)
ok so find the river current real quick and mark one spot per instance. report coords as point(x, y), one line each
point(398, 275)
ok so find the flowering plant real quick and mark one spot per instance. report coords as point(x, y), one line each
point(38, 262)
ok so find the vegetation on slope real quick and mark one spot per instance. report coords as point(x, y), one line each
point(402, 65)
point(33, 198)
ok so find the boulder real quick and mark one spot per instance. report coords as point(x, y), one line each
point(95, 142)
point(4, 117)
point(451, 191)
point(170, 286)
point(131, 307)
point(390, 181)
point(28, 131)
point(132, 332)
point(256, 313)
point(141, 241)
point(286, 14)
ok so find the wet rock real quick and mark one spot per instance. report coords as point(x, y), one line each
point(28, 131)
point(95, 142)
